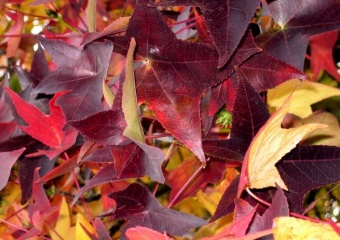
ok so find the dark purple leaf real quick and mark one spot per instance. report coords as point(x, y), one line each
point(136, 205)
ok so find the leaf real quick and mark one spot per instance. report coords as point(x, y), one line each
point(53, 135)
point(26, 165)
point(226, 22)
point(142, 233)
point(249, 114)
point(270, 144)
point(305, 94)
point(82, 224)
point(319, 165)
point(177, 178)
point(322, 54)
point(133, 129)
point(140, 208)
point(299, 229)
point(16, 29)
point(79, 71)
point(278, 208)
point(297, 23)
point(7, 160)
point(167, 78)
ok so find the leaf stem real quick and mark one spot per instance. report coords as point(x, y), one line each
point(257, 198)
point(13, 225)
point(188, 182)
point(81, 196)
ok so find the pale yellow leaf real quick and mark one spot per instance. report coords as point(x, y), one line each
point(80, 232)
point(306, 94)
point(109, 96)
point(209, 201)
point(297, 229)
point(91, 15)
point(270, 144)
point(129, 99)
point(63, 225)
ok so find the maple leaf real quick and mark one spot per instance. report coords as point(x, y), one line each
point(304, 94)
point(79, 71)
point(7, 159)
point(173, 76)
point(140, 208)
point(147, 234)
point(297, 24)
point(226, 21)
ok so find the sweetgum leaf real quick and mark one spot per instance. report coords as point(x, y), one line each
point(79, 71)
point(140, 208)
point(52, 124)
point(249, 114)
point(321, 46)
point(298, 22)
point(7, 159)
point(131, 160)
point(227, 22)
point(173, 76)
point(306, 168)
point(179, 176)
point(27, 165)
point(278, 208)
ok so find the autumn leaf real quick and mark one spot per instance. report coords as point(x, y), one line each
point(140, 208)
point(270, 144)
point(304, 95)
point(143, 233)
point(299, 229)
point(7, 159)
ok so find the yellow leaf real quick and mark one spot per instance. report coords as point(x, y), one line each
point(63, 225)
point(82, 222)
point(91, 15)
point(297, 229)
point(209, 201)
point(303, 97)
point(270, 144)
point(129, 99)
point(108, 94)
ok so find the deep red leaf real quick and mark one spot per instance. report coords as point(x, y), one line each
point(322, 54)
point(173, 75)
point(298, 22)
point(181, 174)
point(227, 22)
point(140, 208)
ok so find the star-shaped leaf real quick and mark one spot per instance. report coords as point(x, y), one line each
point(140, 208)
point(297, 22)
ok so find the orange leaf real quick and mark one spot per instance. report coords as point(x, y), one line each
point(142, 233)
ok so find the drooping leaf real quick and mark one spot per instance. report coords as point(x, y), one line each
point(322, 54)
point(227, 22)
point(295, 228)
point(7, 159)
point(79, 71)
point(304, 95)
point(16, 29)
point(270, 144)
point(140, 208)
point(173, 76)
point(297, 23)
